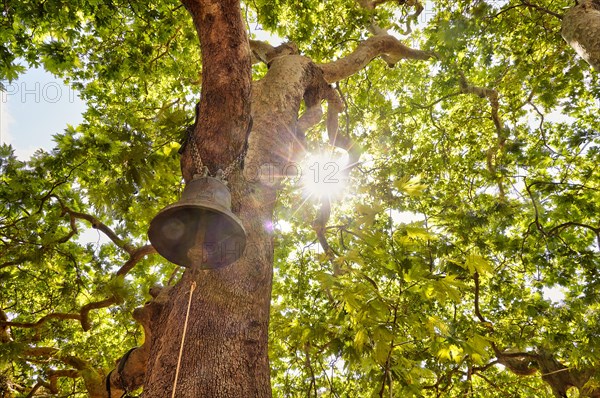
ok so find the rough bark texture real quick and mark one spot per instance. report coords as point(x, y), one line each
point(386, 46)
point(581, 29)
point(226, 83)
point(225, 353)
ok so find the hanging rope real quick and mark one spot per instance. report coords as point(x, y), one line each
point(187, 315)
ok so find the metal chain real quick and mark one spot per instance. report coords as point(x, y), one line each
point(197, 160)
point(234, 164)
point(202, 170)
point(240, 159)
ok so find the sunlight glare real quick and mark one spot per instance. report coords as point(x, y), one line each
point(323, 174)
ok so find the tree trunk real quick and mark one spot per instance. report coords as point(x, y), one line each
point(581, 29)
point(225, 352)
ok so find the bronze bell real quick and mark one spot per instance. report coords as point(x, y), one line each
point(199, 230)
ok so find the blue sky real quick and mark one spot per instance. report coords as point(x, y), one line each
point(34, 108)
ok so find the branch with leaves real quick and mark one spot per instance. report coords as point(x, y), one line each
point(128, 377)
point(527, 363)
point(135, 255)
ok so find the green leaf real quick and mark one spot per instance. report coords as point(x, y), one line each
point(360, 339)
point(410, 185)
point(477, 263)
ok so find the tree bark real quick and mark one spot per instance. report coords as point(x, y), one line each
point(581, 29)
point(225, 352)
point(386, 46)
point(224, 112)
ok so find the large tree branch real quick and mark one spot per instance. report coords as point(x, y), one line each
point(130, 369)
point(318, 90)
point(559, 377)
point(542, 9)
point(52, 384)
point(73, 217)
point(92, 377)
point(45, 352)
point(96, 224)
point(581, 29)
point(335, 106)
point(136, 256)
point(41, 321)
point(5, 336)
point(483, 92)
point(495, 150)
point(96, 305)
point(381, 44)
point(82, 316)
point(386, 46)
point(264, 52)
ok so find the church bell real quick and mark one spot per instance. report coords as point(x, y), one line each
point(199, 231)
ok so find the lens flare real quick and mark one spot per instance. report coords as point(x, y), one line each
point(324, 175)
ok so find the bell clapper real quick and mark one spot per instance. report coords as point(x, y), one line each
point(197, 253)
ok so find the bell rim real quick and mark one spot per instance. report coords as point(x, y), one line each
point(194, 204)
point(235, 221)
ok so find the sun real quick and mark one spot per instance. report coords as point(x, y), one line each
point(324, 174)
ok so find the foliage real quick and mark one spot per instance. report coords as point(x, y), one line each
point(501, 216)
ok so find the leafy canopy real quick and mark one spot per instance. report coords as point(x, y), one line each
point(503, 200)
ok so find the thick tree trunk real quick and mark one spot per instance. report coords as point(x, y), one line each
point(224, 112)
point(581, 29)
point(225, 352)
